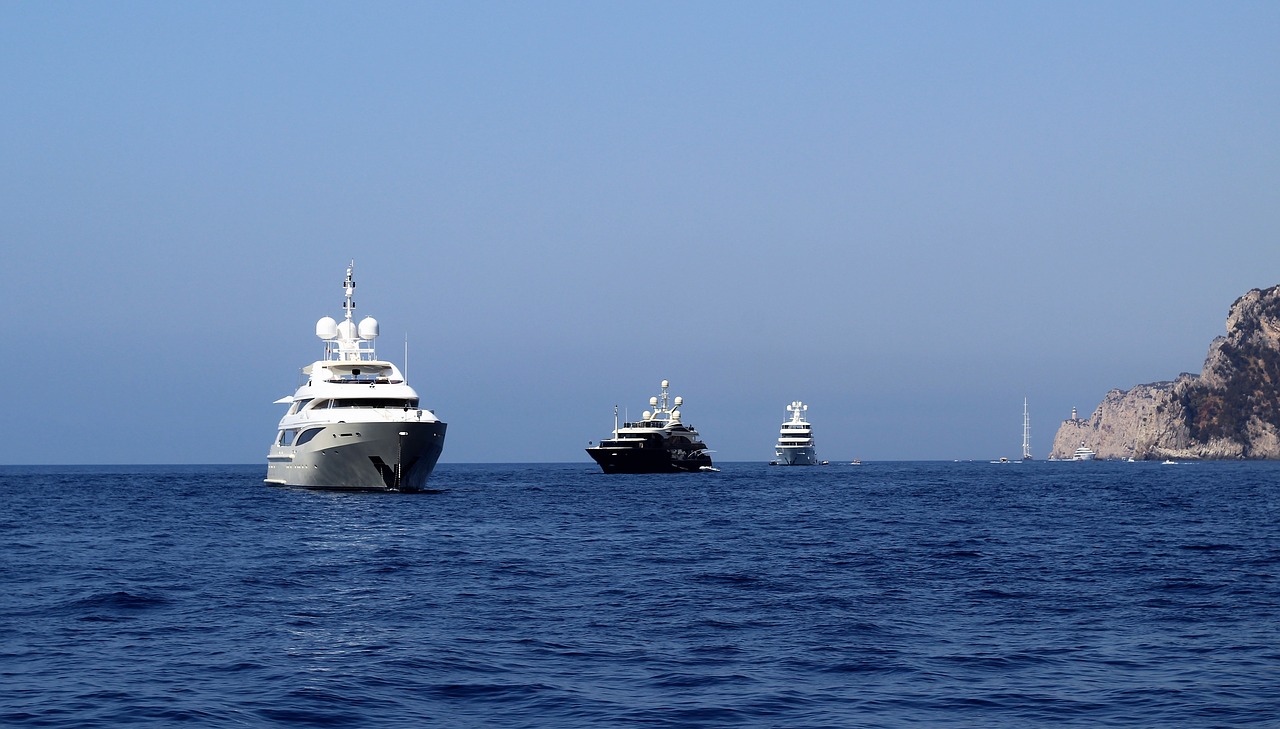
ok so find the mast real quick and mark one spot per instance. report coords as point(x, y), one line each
point(349, 290)
point(1026, 432)
point(349, 342)
point(797, 408)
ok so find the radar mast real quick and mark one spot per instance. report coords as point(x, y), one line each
point(349, 291)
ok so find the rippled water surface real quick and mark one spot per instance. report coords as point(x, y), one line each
point(881, 595)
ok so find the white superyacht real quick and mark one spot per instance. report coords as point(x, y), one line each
point(795, 440)
point(355, 423)
point(1084, 453)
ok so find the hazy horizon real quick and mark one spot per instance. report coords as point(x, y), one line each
point(909, 216)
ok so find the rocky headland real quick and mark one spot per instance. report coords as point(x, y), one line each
point(1230, 410)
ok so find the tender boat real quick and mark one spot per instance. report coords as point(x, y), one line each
point(355, 423)
point(795, 440)
point(658, 443)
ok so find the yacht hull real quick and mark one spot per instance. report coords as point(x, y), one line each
point(381, 456)
point(647, 460)
point(797, 456)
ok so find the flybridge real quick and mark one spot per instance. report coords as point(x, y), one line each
point(347, 341)
point(366, 372)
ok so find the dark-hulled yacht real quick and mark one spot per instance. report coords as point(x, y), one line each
point(658, 443)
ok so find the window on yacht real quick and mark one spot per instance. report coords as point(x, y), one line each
point(286, 436)
point(307, 435)
point(376, 402)
point(362, 374)
point(299, 405)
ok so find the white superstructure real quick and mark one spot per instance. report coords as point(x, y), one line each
point(355, 423)
point(795, 440)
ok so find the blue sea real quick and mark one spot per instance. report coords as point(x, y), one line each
point(551, 595)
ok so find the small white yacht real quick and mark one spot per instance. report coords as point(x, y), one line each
point(795, 440)
point(1083, 453)
point(355, 423)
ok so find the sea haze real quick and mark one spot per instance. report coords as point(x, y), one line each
point(886, 594)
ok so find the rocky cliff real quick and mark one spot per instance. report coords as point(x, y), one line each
point(1230, 410)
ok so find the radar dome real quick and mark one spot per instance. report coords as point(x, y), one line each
point(327, 328)
point(679, 401)
point(646, 415)
point(675, 415)
point(347, 329)
point(666, 384)
point(654, 401)
point(368, 328)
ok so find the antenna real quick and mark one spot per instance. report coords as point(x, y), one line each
point(349, 289)
point(406, 356)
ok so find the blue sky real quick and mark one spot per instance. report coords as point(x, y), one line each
point(909, 215)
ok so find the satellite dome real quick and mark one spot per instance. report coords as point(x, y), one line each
point(368, 328)
point(654, 401)
point(347, 329)
point(327, 328)
point(675, 415)
point(679, 401)
point(646, 415)
point(666, 384)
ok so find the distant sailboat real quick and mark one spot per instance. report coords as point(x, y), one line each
point(1026, 433)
